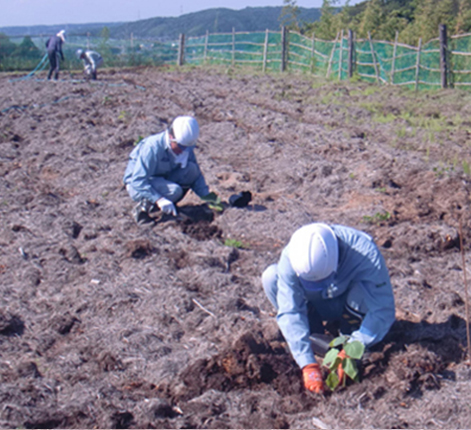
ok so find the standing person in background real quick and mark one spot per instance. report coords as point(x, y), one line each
point(329, 273)
point(91, 61)
point(55, 54)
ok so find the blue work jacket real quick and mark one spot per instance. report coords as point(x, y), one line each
point(360, 261)
point(152, 157)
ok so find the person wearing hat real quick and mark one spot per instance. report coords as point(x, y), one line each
point(55, 54)
point(329, 273)
point(163, 167)
point(91, 61)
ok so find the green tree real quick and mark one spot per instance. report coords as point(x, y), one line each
point(289, 16)
point(326, 27)
point(27, 50)
point(6, 46)
point(463, 20)
point(104, 47)
point(427, 17)
point(371, 20)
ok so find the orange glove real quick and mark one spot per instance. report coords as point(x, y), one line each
point(340, 371)
point(312, 377)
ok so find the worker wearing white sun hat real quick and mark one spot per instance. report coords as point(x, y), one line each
point(163, 167)
point(55, 54)
point(329, 273)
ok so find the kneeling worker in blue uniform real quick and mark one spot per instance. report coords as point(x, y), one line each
point(329, 273)
point(163, 167)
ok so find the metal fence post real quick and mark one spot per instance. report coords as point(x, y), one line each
point(443, 55)
point(284, 48)
point(181, 50)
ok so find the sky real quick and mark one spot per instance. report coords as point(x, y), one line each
point(52, 12)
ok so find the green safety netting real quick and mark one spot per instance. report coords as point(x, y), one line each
point(373, 61)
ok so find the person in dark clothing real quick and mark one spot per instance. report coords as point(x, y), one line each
point(54, 53)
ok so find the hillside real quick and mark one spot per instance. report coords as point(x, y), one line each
point(192, 24)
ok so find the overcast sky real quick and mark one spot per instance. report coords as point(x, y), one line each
point(51, 12)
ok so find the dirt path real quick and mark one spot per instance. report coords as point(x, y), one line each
point(109, 325)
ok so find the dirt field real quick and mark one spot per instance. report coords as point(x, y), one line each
point(106, 324)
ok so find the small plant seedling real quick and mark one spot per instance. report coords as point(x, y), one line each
point(353, 350)
point(377, 218)
point(466, 168)
point(234, 243)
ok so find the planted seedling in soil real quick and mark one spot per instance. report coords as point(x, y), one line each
point(341, 363)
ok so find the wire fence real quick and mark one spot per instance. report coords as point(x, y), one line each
point(437, 63)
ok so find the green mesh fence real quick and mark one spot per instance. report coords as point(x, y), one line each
point(374, 61)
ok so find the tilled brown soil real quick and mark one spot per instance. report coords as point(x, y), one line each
point(105, 324)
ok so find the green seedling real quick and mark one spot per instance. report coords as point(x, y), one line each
point(466, 169)
point(377, 218)
point(123, 115)
point(354, 351)
point(234, 243)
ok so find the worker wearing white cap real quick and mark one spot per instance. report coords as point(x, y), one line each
point(54, 53)
point(329, 273)
point(163, 167)
point(91, 61)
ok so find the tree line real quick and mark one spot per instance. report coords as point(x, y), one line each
point(18, 56)
point(382, 19)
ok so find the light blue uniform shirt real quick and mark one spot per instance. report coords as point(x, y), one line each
point(361, 266)
point(152, 157)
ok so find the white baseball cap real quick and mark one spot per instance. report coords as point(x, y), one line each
point(314, 253)
point(185, 130)
point(61, 34)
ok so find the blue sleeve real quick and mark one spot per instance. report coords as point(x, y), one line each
point(292, 313)
point(146, 163)
point(200, 187)
point(379, 299)
point(363, 268)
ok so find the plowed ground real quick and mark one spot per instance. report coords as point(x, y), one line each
point(106, 324)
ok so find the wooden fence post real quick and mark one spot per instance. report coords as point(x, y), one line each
point(374, 57)
point(265, 52)
point(233, 46)
point(393, 64)
point(313, 53)
point(181, 50)
point(341, 55)
point(205, 55)
point(284, 46)
point(417, 65)
point(351, 55)
point(332, 52)
point(443, 55)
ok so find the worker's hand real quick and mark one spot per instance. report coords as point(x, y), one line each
point(214, 201)
point(312, 377)
point(166, 206)
point(340, 372)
